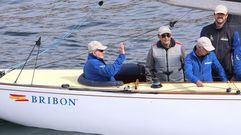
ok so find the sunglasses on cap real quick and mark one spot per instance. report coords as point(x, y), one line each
point(166, 35)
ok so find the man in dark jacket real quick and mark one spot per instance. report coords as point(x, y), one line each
point(95, 68)
point(221, 36)
point(199, 63)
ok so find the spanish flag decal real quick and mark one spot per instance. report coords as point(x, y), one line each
point(18, 98)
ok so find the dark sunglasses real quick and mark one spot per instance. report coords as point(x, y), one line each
point(166, 35)
point(100, 50)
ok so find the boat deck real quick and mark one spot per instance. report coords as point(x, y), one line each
point(58, 77)
point(54, 77)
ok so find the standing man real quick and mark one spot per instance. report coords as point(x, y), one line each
point(164, 61)
point(221, 36)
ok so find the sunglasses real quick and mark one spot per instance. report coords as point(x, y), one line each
point(100, 50)
point(166, 35)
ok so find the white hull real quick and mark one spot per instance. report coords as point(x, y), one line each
point(119, 113)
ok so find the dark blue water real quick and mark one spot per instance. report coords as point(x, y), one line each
point(67, 26)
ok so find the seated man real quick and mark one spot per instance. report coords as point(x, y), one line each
point(199, 63)
point(95, 68)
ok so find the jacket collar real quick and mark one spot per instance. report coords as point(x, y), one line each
point(91, 56)
point(214, 26)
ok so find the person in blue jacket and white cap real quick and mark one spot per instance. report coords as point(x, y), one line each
point(200, 62)
point(96, 69)
point(237, 56)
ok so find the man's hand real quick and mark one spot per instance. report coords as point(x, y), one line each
point(199, 83)
point(122, 48)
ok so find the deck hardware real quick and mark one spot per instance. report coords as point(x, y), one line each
point(228, 90)
point(238, 92)
point(65, 86)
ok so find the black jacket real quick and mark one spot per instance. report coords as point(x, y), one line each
point(222, 41)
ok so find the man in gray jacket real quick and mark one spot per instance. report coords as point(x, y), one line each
point(165, 59)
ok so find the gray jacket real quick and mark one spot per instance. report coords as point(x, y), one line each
point(165, 64)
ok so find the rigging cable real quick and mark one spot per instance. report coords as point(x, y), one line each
point(100, 3)
point(35, 65)
point(36, 44)
point(55, 43)
point(171, 25)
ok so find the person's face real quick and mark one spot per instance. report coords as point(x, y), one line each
point(165, 39)
point(220, 18)
point(201, 51)
point(99, 53)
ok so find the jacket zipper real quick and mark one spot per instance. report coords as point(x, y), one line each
point(168, 78)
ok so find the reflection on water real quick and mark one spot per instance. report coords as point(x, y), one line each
point(7, 128)
point(132, 21)
point(67, 26)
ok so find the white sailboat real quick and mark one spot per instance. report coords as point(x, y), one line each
point(55, 99)
point(132, 108)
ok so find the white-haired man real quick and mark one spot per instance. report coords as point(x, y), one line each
point(199, 63)
point(95, 68)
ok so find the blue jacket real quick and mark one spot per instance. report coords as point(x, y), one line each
point(95, 68)
point(197, 69)
point(237, 56)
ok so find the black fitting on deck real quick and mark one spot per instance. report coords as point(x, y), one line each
point(2, 73)
point(228, 90)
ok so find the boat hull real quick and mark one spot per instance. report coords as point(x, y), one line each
point(120, 113)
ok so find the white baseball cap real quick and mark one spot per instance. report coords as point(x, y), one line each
point(95, 45)
point(221, 9)
point(164, 29)
point(205, 43)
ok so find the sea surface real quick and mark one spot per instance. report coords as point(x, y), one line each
point(67, 26)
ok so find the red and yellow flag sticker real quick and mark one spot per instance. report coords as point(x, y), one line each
point(18, 97)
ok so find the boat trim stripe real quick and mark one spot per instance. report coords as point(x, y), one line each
point(110, 96)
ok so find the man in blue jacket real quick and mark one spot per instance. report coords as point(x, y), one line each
point(199, 63)
point(95, 68)
point(237, 56)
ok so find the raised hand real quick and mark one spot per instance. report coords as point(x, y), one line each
point(122, 48)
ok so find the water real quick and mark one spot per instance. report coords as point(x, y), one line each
point(22, 22)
